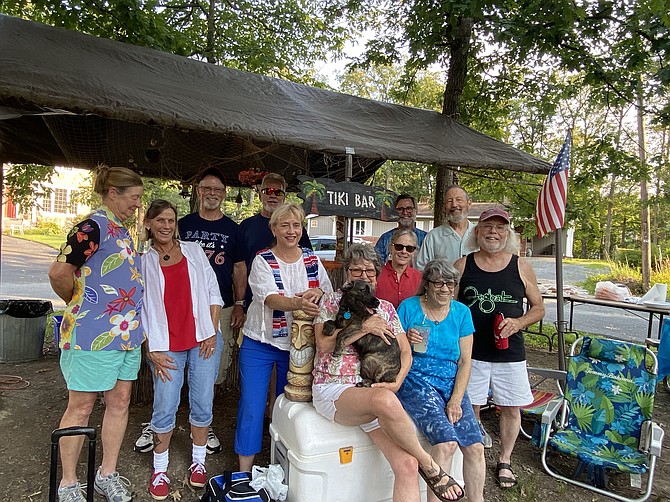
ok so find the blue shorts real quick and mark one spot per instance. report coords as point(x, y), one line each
point(99, 370)
point(425, 401)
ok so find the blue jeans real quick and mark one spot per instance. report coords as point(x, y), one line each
point(256, 362)
point(201, 374)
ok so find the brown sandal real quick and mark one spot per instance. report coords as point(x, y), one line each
point(438, 489)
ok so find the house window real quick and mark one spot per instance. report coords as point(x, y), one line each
point(359, 227)
point(60, 200)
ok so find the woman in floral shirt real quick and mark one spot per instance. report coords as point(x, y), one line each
point(375, 409)
point(97, 274)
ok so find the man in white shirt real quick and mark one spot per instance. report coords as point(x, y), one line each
point(449, 239)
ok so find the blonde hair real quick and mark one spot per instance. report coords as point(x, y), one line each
point(285, 210)
point(120, 178)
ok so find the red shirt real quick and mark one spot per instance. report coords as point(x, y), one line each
point(179, 306)
point(391, 289)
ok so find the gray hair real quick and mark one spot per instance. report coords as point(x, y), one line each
point(359, 252)
point(511, 246)
point(273, 177)
point(400, 232)
point(438, 269)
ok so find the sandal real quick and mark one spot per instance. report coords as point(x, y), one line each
point(505, 482)
point(438, 489)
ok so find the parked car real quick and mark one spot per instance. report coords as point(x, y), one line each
point(324, 246)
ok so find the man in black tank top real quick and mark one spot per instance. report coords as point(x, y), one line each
point(495, 280)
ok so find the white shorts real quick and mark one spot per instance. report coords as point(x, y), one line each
point(324, 397)
point(508, 383)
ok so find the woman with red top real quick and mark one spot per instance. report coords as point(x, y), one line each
point(182, 303)
point(398, 280)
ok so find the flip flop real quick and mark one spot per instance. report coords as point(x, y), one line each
point(440, 490)
point(505, 482)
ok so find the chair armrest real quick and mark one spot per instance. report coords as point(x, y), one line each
point(651, 438)
point(549, 373)
point(552, 409)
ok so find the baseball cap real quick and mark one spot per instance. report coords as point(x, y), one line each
point(496, 211)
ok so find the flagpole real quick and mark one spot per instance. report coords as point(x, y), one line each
point(561, 324)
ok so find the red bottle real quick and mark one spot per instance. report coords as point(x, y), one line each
point(501, 343)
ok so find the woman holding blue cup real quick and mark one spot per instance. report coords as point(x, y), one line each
point(434, 391)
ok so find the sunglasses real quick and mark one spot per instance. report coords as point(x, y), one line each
point(400, 247)
point(278, 192)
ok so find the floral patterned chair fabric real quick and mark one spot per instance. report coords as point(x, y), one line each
point(610, 391)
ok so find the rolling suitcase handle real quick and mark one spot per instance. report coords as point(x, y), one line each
point(90, 477)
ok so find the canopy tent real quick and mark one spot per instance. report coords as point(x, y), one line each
point(72, 99)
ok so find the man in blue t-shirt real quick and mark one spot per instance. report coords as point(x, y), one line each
point(220, 238)
point(255, 230)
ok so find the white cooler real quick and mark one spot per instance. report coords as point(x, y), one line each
point(328, 462)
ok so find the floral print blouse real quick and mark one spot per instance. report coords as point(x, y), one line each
point(104, 312)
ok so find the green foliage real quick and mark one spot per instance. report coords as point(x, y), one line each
point(26, 182)
point(46, 226)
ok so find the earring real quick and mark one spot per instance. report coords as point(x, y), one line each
point(347, 315)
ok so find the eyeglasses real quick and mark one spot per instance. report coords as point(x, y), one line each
point(358, 272)
point(214, 190)
point(278, 192)
point(407, 209)
point(487, 227)
point(441, 284)
point(400, 247)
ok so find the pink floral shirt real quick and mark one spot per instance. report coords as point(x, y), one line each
point(345, 368)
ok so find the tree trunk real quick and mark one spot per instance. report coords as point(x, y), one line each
point(459, 38)
point(644, 196)
point(610, 198)
point(211, 32)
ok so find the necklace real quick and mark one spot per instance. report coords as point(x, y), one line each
point(166, 256)
point(431, 314)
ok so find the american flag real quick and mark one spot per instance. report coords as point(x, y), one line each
point(550, 209)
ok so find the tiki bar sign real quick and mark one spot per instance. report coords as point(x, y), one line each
point(325, 197)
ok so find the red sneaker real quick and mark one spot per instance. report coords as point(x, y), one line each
point(159, 487)
point(198, 477)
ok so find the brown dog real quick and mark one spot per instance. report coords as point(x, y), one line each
point(380, 362)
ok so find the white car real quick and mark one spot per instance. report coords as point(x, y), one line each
point(324, 246)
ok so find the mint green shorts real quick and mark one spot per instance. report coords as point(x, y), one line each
point(99, 370)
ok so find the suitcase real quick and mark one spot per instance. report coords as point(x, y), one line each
point(91, 433)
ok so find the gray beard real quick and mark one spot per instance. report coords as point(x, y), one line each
point(453, 218)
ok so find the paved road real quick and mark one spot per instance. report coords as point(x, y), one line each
point(614, 323)
point(24, 270)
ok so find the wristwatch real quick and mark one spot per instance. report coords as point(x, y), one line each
point(242, 303)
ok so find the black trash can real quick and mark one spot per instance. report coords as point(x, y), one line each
point(22, 326)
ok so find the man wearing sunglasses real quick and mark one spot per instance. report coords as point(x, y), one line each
point(450, 238)
point(405, 206)
point(255, 230)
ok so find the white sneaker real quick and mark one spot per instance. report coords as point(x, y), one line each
point(213, 443)
point(145, 442)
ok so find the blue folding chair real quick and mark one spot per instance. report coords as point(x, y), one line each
point(610, 389)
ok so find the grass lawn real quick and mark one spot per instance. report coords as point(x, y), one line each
point(53, 241)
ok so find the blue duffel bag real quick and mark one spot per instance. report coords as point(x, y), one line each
point(233, 487)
